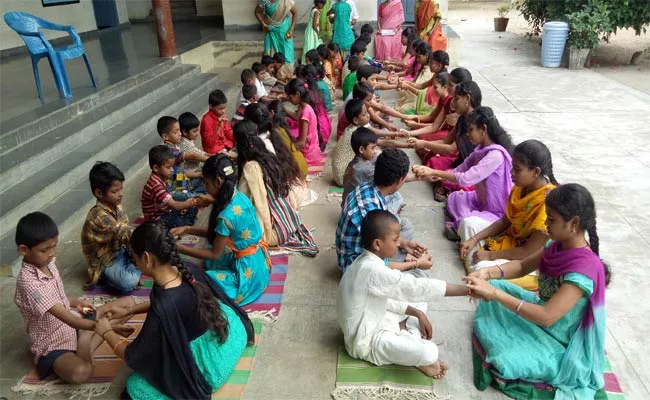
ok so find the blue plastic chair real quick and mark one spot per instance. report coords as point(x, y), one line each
point(28, 27)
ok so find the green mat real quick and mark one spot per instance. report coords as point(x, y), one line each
point(357, 379)
point(335, 189)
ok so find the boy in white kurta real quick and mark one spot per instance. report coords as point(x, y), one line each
point(373, 299)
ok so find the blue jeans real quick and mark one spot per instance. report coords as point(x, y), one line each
point(198, 186)
point(122, 275)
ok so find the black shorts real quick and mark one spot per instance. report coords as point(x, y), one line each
point(45, 363)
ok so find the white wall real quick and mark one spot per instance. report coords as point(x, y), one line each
point(240, 12)
point(79, 15)
point(208, 8)
point(138, 9)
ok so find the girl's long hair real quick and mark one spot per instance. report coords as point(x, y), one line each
point(534, 154)
point(251, 148)
point(155, 239)
point(260, 115)
point(279, 116)
point(484, 116)
point(220, 166)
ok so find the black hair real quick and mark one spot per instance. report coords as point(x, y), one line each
point(317, 2)
point(359, 46)
point(220, 166)
point(159, 154)
point(375, 225)
point(367, 29)
point(102, 175)
point(312, 56)
point(334, 47)
point(409, 34)
point(353, 63)
point(34, 229)
point(279, 58)
point(251, 148)
point(260, 115)
point(353, 109)
point(534, 154)
point(392, 165)
point(424, 49)
point(323, 52)
point(297, 86)
point(155, 238)
point(165, 124)
point(217, 98)
point(366, 37)
point(362, 90)
point(188, 121)
point(362, 137)
point(365, 72)
point(574, 200)
point(484, 116)
point(258, 67)
point(442, 78)
point(460, 75)
point(279, 117)
point(248, 91)
point(471, 89)
point(442, 58)
point(247, 75)
point(267, 60)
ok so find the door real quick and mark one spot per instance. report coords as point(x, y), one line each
point(409, 11)
point(106, 13)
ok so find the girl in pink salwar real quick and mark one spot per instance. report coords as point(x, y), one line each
point(307, 133)
point(388, 39)
point(487, 168)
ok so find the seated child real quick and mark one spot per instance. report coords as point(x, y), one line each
point(157, 201)
point(327, 68)
point(216, 133)
point(170, 131)
point(190, 127)
point(248, 77)
point(336, 60)
point(358, 49)
point(261, 73)
point(366, 34)
point(249, 92)
point(350, 80)
point(391, 170)
point(270, 81)
point(105, 234)
point(283, 71)
point(52, 319)
point(373, 304)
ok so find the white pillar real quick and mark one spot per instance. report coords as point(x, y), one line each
point(444, 9)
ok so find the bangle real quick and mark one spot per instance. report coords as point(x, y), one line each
point(503, 274)
point(521, 303)
point(123, 340)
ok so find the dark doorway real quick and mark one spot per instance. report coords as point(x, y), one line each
point(106, 13)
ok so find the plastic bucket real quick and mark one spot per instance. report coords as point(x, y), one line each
point(553, 42)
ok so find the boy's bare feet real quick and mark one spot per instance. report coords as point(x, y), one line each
point(437, 370)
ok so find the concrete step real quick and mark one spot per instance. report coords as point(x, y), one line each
point(62, 189)
point(52, 115)
point(28, 158)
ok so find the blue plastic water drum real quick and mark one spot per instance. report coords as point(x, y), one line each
point(553, 42)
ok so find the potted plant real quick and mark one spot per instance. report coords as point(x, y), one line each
point(586, 27)
point(501, 22)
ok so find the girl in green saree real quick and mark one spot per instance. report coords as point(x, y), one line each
point(278, 19)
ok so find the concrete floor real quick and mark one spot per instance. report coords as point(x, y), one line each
point(597, 131)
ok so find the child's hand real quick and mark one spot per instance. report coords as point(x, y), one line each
point(83, 307)
point(425, 326)
point(421, 171)
point(102, 326)
point(480, 288)
point(483, 273)
point(425, 261)
point(403, 133)
point(179, 231)
point(413, 248)
point(204, 200)
point(465, 247)
point(480, 255)
point(123, 330)
point(416, 143)
point(112, 312)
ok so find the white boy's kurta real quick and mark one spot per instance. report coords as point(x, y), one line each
point(369, 293)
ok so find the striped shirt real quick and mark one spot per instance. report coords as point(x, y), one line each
point(154, 198)
point(36, 294)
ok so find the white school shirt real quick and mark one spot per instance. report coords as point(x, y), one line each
point(261, 91)
point(354, 14)
point(369, 292)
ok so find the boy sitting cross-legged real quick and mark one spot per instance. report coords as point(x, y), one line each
point(249, 93)
point(51, 318)
point(374, 308)
point(158, 203)
point(105, 234)
point(216, 133)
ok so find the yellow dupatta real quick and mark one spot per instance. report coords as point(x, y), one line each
point(526, 215)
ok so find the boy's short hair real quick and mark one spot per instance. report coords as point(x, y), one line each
point(102, 175)
point(353, 63)
point(267, 60)
point(362, 90)
point(246, 75)
point(34, 229)
point(258, 67)
point(367, 29)
point(217, 98)
point(159, 154)
point(353, 109)
point(392, 165)
point(165, 124)
point(375, 225)
point(188, 121)
point(279, 58)
point(249, 91)
point(362, 137)
point(312, 57)
point(365, 72)
point(359, 46)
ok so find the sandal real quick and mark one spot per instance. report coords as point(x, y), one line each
point(440, 194)
point(451, 234)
